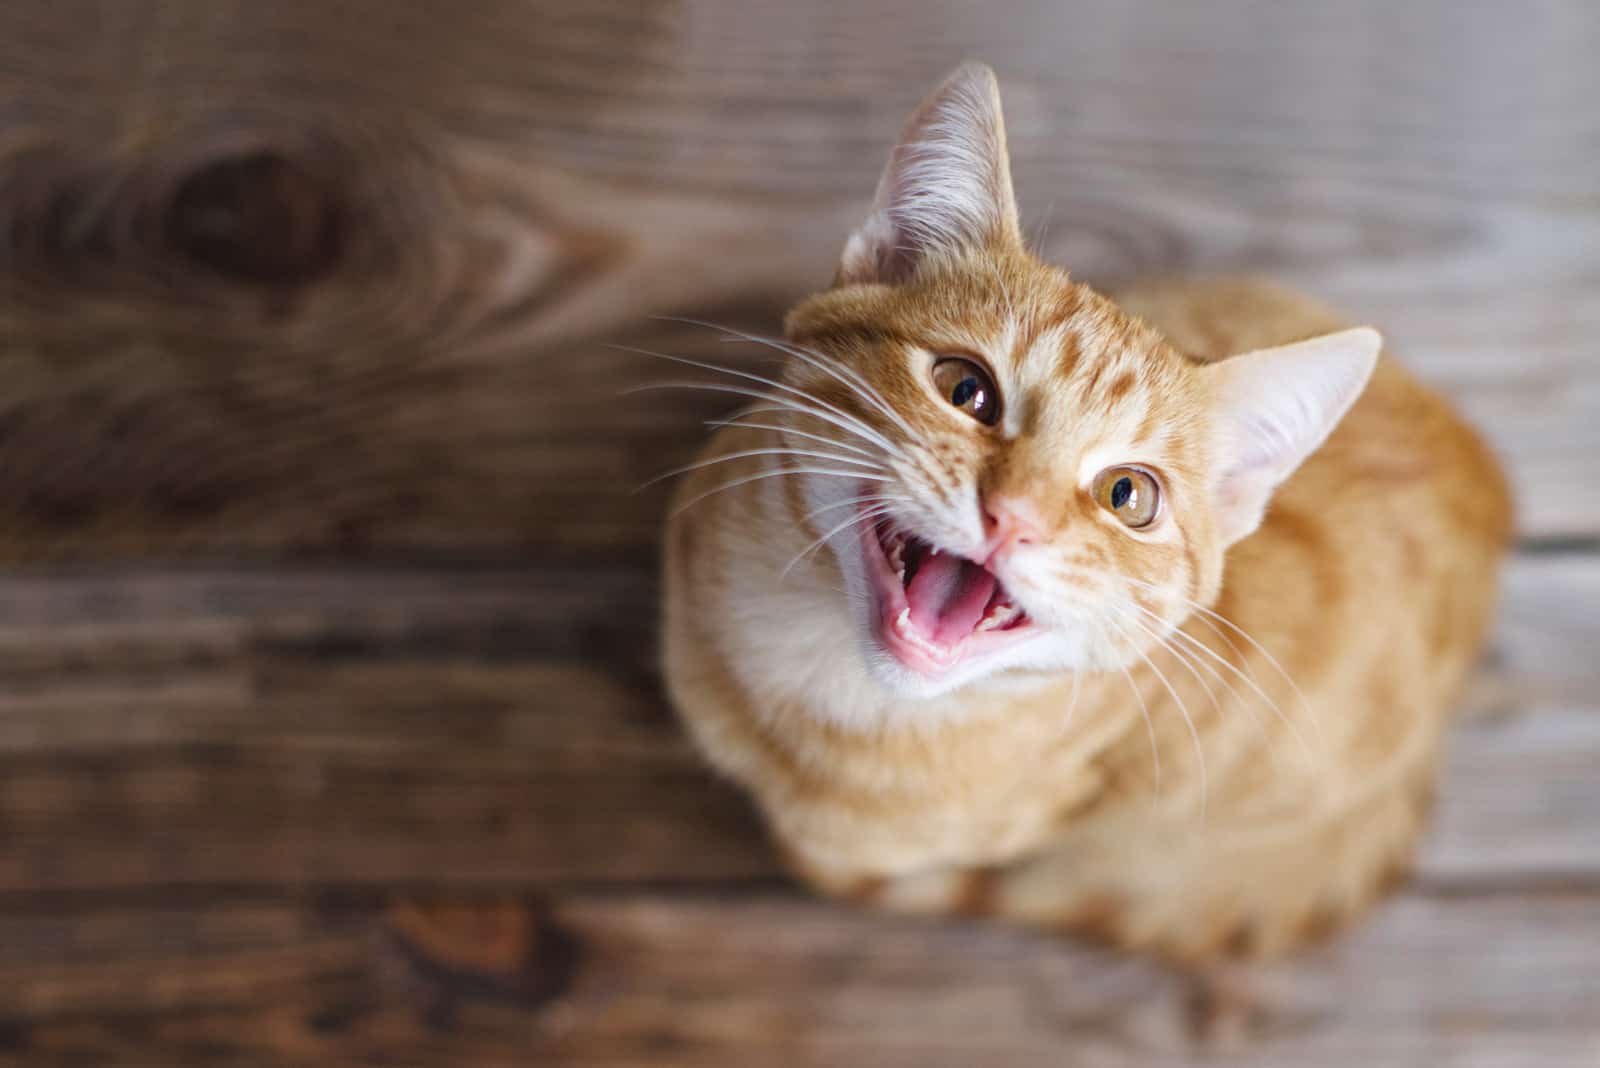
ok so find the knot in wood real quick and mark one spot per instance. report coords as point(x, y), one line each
point(257, 218)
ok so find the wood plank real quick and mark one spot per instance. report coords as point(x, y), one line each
point(700, 980)
point(474, 727)
point(286, 278)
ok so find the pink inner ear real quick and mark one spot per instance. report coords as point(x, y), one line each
point(1278, 406)
point(947, 185)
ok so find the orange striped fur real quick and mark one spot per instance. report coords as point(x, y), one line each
point(1193, 787)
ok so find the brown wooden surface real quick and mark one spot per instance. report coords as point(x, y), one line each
point(299, 731)
point(691, 979)
point(440, 817)
point(329, 279)
point(329, 276)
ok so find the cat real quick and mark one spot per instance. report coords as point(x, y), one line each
point(1140, 620)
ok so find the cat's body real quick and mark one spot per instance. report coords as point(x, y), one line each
point(1178, 791)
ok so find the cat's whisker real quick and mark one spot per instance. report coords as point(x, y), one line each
point(1202, 647)
point(1165, 643)
point(811, 357)
point(845, 375)
point(807, 355)
point(1189, 665)
point(739, 422)
point(1072, 706)
point(1208, 614)
point(855, 520)
point(776, 403)
point(1188, 658)
point(1144, 710)
point(1043, 232)
point(745, 454)
point(783, 404)
point(1194, 733)
point(746, 479)
point(866, 498)
point(772, 383)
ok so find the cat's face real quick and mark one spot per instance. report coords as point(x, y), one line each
point(1029, 478)
point(1047, 503)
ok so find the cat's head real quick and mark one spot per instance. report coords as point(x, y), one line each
point(1044, 481)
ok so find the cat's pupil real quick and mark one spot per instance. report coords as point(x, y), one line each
point(1121, 492)
point(965, 390)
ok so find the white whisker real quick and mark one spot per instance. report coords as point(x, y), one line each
point(764, 380)
point(812, 358)
point(1202, 647)
point(1194, 733)
point(868, 498)
point(777, 403)
point(1208, 614)
point(1144, 710)
point(1072, 708)
point(739, 422)
point(1043, 233)
point(743, 454)
point(1165, 643)
point(691, 502)
point(861, 517)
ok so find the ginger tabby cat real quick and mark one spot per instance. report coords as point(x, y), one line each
point(1010, 600)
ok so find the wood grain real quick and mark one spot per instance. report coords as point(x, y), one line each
point(332, 278)
point(312, 278)
point(697, 980)
point(485, 727)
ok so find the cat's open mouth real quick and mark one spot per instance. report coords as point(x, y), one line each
point(935, 608)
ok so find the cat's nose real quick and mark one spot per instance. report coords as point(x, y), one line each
point(1007, 523)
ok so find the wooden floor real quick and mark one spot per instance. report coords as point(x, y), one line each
point(330, 727)
point(439, 816)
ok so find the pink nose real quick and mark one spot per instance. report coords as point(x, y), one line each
point(1007, 523)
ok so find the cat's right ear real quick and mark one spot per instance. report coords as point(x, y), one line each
point(947, 187)
point(1272, 408)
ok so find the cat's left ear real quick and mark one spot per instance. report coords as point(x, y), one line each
point(1273, 407)
point(947, 187)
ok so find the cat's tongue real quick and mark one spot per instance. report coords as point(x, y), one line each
point(947, 596)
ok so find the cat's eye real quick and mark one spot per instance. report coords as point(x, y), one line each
point(968, 387)
point(1132, 494)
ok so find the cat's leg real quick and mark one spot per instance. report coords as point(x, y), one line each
point(1218, 892)
point(1226, 891)
point(942, 890)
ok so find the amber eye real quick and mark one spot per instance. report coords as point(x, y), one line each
point(1129, 493)
point(968, 387)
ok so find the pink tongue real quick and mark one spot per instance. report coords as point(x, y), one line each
point(947, 597)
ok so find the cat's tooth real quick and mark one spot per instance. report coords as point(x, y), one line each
point(903, 620)
point(1000, 615)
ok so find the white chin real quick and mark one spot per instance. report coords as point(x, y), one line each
point(909, 683)
point(906, 683)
